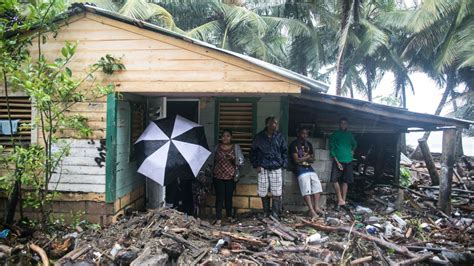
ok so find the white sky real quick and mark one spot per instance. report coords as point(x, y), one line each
point(425, 100)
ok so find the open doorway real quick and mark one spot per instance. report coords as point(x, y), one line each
point(187, 108)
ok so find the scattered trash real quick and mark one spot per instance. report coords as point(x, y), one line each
point(425, 227)
point(363, 210)
point(333, 221)
point(4, 233)
point(388, 229)
point(316, 239)
point(218, 246)
point(374, 219)
point(371, 229)
point(117, 247)
point(399, 220)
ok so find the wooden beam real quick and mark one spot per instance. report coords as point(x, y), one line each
point(207, 87)
point(447, 169)
point(425, 150)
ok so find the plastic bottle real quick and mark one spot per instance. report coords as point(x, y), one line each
point(218, 246)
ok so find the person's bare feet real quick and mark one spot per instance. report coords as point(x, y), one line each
point(319, 211)
point(341, 203)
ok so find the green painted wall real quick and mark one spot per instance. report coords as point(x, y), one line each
point(127, 178)
point(111, 144)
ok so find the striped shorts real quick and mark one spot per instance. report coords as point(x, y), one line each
point(270, 180)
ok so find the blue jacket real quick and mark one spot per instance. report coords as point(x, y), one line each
point(269, 153)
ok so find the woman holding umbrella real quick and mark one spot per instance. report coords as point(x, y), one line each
point(226, 160)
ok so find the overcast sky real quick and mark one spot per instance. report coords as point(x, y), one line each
point(425, 100)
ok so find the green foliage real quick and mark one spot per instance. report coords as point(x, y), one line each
point(405, 177)
point(109, 64)
point(53, 90)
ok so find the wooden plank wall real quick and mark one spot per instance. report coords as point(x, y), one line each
point(83, 169)
point(157, 63)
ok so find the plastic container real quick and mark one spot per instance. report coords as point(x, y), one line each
point(316, 239)
point(363, 210)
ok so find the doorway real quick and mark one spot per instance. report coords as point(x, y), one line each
point(187, 108)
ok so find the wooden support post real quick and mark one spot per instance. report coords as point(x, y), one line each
point(447, 169)
point(425, 150)
point(401, 196)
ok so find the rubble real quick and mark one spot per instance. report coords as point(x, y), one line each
point(371, 230)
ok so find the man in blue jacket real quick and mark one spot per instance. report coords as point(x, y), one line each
point(269, 155)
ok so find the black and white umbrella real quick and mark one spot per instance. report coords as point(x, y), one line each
point(173, 147)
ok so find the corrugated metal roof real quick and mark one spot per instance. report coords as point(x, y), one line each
point(408, 118)
point(306, 82)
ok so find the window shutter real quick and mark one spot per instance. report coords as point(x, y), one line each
point(238, 117)
point(20, 108)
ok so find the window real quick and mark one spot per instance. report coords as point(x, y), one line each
point(20, 109)
point(240, 118)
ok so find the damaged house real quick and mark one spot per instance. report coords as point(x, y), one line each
point(168, 73)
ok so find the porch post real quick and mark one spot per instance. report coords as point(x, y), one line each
point(398, 150)
point(447, 164)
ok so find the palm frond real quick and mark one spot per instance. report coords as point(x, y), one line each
point(105, 4)
point(207, 31)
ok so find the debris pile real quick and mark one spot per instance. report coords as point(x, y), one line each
point(369, 230)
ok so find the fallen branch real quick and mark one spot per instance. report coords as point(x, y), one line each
point(246, 239)
point(389, 245)
point(200, 257)
point(453, 189)
point(301, 249)
point(180, 240)
point(250, 259)
point(41, 253)
point(361, 260)
point(380, 254)
point(425, 197)
point(278, 231)
point(414, 260)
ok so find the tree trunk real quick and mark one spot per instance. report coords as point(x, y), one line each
point(459, 148)
point(425, 150)
point(15, 195)
point(450, 83)
point(345, 16)
point(368, 76)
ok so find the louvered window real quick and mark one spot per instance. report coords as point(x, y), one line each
point(238, 117)
point(20, 110)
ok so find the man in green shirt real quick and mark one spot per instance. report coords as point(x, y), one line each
point(342, 145)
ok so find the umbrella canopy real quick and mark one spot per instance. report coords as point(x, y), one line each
point(172, 148)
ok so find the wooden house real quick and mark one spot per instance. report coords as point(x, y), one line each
point(169, 73)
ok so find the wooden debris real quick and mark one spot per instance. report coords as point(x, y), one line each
point(244, 238)
point(361, 260)
point(415, 260)
point(41, 253)
point(389, 245)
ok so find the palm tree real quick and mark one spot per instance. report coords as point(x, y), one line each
point(364, 48)
point(440, 41)
point(138, 9)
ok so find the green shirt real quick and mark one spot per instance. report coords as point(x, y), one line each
point(342, 143)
